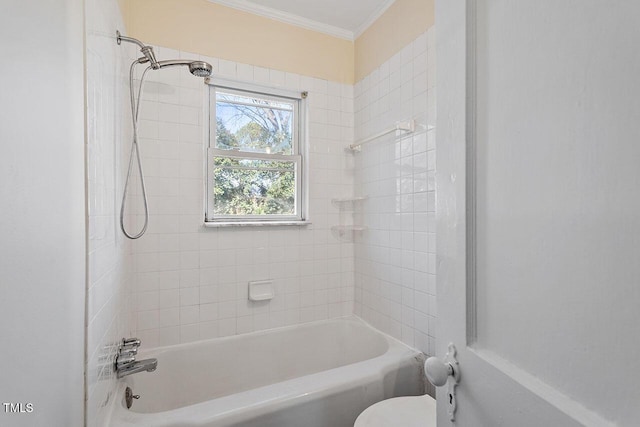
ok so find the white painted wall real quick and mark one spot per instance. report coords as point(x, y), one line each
point(42, 231)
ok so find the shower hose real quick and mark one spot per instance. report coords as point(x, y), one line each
point(135, 153)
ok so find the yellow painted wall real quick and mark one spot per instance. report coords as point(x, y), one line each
point(210, 29)
point(207, 28)
point(398, 26)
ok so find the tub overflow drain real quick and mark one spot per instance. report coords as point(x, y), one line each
point(129, 396)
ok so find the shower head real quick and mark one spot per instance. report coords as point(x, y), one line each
point(200, 68)
point(197, 68)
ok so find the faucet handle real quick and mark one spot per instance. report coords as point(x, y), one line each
point(124, 359)
point(129, 351)
point(131, 342)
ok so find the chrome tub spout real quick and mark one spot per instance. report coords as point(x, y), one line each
point(130, 368)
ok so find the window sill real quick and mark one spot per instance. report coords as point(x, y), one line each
point(256, 224)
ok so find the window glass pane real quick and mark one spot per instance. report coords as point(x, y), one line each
point(254, 187)
point(254, 124)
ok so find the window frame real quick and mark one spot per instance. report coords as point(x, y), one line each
point(298, 156)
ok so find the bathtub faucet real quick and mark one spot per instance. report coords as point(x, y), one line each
point(134, 367)
point(126, 363)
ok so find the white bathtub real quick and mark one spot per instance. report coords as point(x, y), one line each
point(320, 374)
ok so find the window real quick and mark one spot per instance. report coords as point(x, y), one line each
point(254, 163)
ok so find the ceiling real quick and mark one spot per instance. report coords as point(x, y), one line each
point(342, 18)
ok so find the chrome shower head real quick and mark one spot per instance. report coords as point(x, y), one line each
point(200, 68)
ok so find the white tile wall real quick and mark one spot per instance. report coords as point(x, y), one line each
point(395, 257)
point(182, 282)
point(109, 254)
point(190, 281)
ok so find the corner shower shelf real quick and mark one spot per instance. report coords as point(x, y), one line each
point(348, 227)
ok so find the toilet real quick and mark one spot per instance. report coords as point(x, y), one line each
point(414, 411)
point(408, 411)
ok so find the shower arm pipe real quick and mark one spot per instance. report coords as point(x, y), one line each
point(146, 50)
point(122, 38)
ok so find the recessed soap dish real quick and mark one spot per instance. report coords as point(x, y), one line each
point(261, 290)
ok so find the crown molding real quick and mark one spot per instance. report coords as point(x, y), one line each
point(288, 18)
point(373, 18)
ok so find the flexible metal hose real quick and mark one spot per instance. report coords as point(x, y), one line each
point(135, 152)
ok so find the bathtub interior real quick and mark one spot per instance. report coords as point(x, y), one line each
point(198, 372)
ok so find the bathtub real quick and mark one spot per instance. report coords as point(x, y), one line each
point(320, 374)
